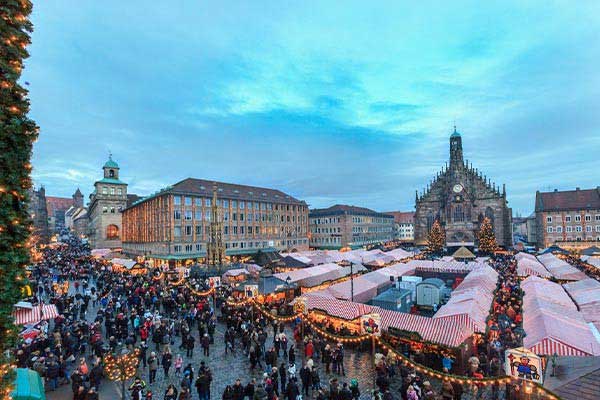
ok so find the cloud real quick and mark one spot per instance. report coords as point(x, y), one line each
point(332, 104)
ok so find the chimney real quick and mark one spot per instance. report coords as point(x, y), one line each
point(577, 189)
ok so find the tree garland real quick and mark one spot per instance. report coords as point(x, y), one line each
point(17, 134)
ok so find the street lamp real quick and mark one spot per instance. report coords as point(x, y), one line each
point(122, 368)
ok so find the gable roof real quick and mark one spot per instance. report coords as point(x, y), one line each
point(568, 200)
point(402, 217)
point(54, 204)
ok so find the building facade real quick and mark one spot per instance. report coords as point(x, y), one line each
point(39, 214)
point(174, 224)
point(460, 197)
point(569, 219)
point(404, 226)
point(104, 212)
point(348, 226)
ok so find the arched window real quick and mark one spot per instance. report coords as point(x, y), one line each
point(112, 232)
point(430, 220)
point(459, 213)
point(489, 213)
point(111, 173)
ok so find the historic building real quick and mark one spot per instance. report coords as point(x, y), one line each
point(460, 196)
point(175, 223)
point(104, 212)
point(348, 226)
point(39, 214)
point(569, 219)
point(404, 226)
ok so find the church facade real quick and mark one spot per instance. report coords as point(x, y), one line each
point(460, 197)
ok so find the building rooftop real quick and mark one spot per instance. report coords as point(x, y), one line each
point(568, 200)
point(111, 163)
point(402, 217)
point(54, 204)
point(111, 181)
point(202, 187)
point(342, 209)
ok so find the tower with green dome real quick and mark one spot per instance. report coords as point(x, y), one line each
point(106, 203)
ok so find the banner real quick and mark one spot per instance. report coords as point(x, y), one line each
point(524, 364)
point(300, 306)
point(214, 281)
point(370, 324)
point(251, 291)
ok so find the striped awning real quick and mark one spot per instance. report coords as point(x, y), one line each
point(550, 346)
point(25, 316)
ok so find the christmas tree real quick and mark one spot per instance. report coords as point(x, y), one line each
point(487, 239)
point(436, 238)
point(17, 134)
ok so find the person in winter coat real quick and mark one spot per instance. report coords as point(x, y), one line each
point(166, 361)
point(152, 367)
point(171, 393)
point(305, 377)
point(205, 341)
point(259, 393)
point(292, 390)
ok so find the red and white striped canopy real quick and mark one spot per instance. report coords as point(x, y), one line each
point(550, 346)
point(24, 316)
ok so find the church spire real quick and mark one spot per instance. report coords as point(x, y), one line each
point(456, 154)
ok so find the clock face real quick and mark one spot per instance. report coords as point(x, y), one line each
point(457, 188)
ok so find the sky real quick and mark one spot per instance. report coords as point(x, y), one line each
point(331, 102)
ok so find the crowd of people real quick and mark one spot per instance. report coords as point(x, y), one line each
point(175, 326)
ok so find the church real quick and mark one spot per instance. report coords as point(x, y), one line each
point(460, 197)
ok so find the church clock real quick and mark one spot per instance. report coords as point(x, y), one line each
point(457, 188)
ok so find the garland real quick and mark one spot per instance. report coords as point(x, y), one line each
point(17, 134)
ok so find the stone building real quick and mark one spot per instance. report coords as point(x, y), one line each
point(404, 226)
point(174, 224)
point(460, 196)
point(39, 214)
point(104, 212)
point(348, 226)
point(569, 219)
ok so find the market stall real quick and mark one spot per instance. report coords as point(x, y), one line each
point(28, 385)
point(26, 313)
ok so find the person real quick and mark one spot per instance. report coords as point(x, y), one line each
point(411, 393)
point(203, 384)
point(189, 346)
point(238, 390)
point(250, 389)
point(354, 389)
point(171, 393)
point(292, 390)
point(136, 388)
point(427, 391)
point(345, 393)
point(178, 364)
point(166, 361)
point(185, 394)
point(283, 376)
point(260, 393)
point(205, 341)
point(305, 377)
point(447, 391)
point(92, 394)
point(228, 393)
point(152, 367)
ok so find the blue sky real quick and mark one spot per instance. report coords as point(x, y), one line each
point(332, 102)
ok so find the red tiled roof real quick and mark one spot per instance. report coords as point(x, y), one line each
point(54, 204)
point(402, 217)
point(568, 200)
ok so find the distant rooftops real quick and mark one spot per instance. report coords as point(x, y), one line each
point(568, 200)
point(342, 209)
point(402, 217)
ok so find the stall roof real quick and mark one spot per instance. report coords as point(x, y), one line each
point(125, 262)
point(552, 322)
point(528, 265)
point(463, 252)
point(35, 315)
point(28, 385)
point(586, 294)
point(561, 269)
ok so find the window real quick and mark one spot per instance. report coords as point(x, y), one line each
point(597, 217)
point(226, 203)
point(597, 228)
point(112, 232)
point(569, 229)
point(241, 230)
point(188, 215)
point(249, 230)
point(588, 218)
point(104, 210)
point(188, 248)
point(226, 216)
point(119, 191)
point(549, 229)
point(549, 219)
point(198, 215)
point(207, 202)
point(112, 210)
point(177, 248)
point(234, 215)
point(226, 230)
point(256, 206)
point(559, 229)
point(234, 204)
point(235, 230)
point(198, 229)
point(111, 173)
point(588, 228)
point(177, 231)
point(241, 217)
point(198, 201)
point(577, 218)
point(188, 201)
point(105, 190)
point(177, 214)
point(578, 228)
point(198, 247)
point(188, 230)
point(568, 218)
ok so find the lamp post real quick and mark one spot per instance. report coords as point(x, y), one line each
point(122, 368)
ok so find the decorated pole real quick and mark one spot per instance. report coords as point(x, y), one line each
point(122, 368)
